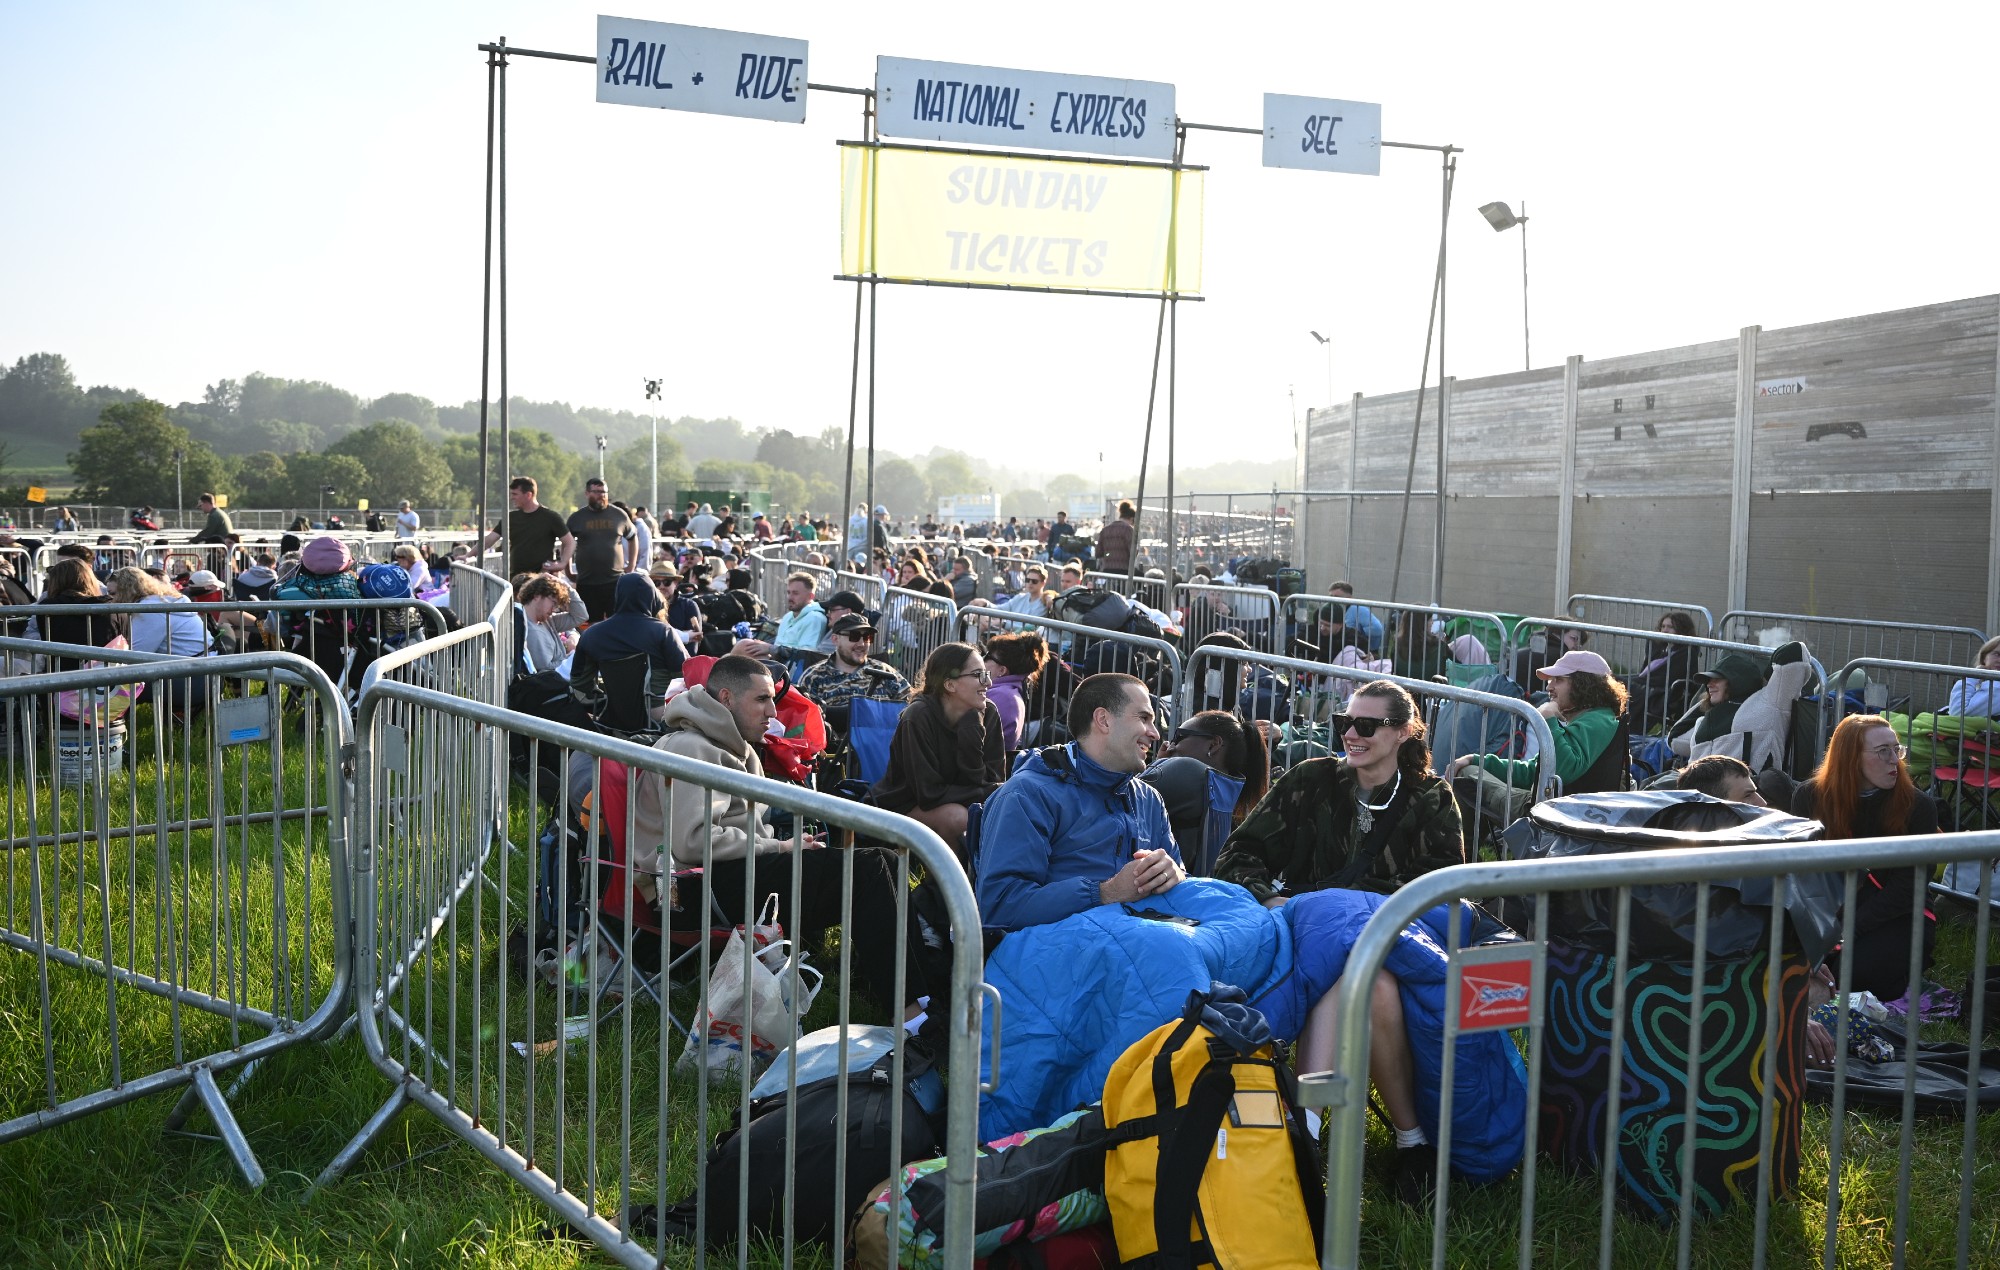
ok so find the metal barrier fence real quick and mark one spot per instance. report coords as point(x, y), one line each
point(1656, 666)
point(1490, 629)
point(1291, 701)
point(1843, 639)
point(1085, 651)
point(1870, 1199)
point(577, 1086)
point(914, 625)
point(1151, 591)
point(869, 586)
point(187, 851)
point(358, 630)
point(1251, 612)
point(1944, 714)
point(1635, 614)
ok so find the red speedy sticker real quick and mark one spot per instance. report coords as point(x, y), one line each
point(1495, 994)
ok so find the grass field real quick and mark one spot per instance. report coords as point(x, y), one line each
point(111, 1190)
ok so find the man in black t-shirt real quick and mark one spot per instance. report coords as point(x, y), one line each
point(605, 543)
point(538, 537)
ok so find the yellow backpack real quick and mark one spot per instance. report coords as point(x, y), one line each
point(1213, 1167)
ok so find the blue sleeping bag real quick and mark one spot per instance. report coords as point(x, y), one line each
point(1490, 1082)
point(1078, 993)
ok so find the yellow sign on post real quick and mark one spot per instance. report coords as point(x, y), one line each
point(36, 494)
point(992, 220)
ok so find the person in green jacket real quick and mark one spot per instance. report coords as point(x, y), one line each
point(1587, 724)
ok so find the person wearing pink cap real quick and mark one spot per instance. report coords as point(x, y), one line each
point(1591, 744)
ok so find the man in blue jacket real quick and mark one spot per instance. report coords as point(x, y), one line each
point(1075, 827)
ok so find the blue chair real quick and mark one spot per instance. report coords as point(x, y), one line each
point(871, 724)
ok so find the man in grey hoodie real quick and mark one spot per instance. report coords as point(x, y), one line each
point(725, 835)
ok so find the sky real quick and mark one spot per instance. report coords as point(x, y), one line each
point(202, 190)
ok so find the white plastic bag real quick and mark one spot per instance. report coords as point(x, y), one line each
point(761, 1023)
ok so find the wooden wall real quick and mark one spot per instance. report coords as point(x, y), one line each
point(1870, 457)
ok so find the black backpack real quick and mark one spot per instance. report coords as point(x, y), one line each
point(816, 1209)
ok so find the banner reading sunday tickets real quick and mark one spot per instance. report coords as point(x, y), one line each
point(988, 220)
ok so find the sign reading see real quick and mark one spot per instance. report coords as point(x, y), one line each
point(1322, 134)
point(699, 68)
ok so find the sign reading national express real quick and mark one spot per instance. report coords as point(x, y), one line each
point(1035, 110)
point(1322, 134)
point(699, 68)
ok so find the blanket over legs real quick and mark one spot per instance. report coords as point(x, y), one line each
point(1077, 993)
point(1490, 1083)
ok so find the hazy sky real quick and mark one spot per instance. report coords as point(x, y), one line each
point(200, 190)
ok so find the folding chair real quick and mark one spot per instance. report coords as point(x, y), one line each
point(625, 707)
point(871, 726)
point(607, 807)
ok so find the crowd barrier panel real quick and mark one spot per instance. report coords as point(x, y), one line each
point(1629, 650)
point(1250, 611)
point(1152, 591)
point(338, 652)
point(1301, 610)
point(1843, 639)
point(573, 1089)
point(104, 557)
point(193, 861)
point(216, 557)
point(20, 562)
point(914, 624)
point(1853, 1227)
point(1636, 614)
point(869, 586)
point(1087, 650)
point(1294, 708)
point(1952, 764)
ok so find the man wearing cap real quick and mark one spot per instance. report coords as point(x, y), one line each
point(683, 614)
point(703, 523)
point(1591, 752)
point(849, 673)
point(1744, 710)
point(878, 532)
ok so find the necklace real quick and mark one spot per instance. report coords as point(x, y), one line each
point(1364, 811)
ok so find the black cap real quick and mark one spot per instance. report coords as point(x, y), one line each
point(850, 623)
point(845, 600)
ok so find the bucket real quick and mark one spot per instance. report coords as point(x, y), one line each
point(77, 751)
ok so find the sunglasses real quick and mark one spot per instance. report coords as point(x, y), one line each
point(1364, 725)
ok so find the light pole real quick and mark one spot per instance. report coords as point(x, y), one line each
point(1502, 218)
point(653, 394)
point(1326, 344)
point(601, 443)
point(180, 504)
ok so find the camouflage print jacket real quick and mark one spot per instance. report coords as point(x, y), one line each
point(1303, 832)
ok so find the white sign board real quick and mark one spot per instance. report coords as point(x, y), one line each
point(1322, 134)
point(968, 508)
point(1082, 509)
point(676, 67)
point(1791, 386)
point(1038, 110)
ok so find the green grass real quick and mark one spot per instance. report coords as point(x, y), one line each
point(111, 1190)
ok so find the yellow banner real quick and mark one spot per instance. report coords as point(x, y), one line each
point(36, 494)
point(918, 215)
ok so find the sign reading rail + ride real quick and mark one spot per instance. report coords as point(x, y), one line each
point(674, 67)
point(1322, 134)
point(1035, 110)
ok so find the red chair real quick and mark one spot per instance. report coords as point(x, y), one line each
point(606, 808)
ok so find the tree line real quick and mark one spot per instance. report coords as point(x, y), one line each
point(272, 442)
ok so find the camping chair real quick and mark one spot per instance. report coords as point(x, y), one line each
point(625, 707)
point(616, 926)
point(1223, 791)
point(871, 726)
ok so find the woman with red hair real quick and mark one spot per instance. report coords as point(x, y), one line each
point(1862, 790)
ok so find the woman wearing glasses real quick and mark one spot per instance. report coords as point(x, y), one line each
point(947, 752)
point(1862, 790)
point(1370, 820)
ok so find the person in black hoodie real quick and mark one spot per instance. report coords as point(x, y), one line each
point(634, 626)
